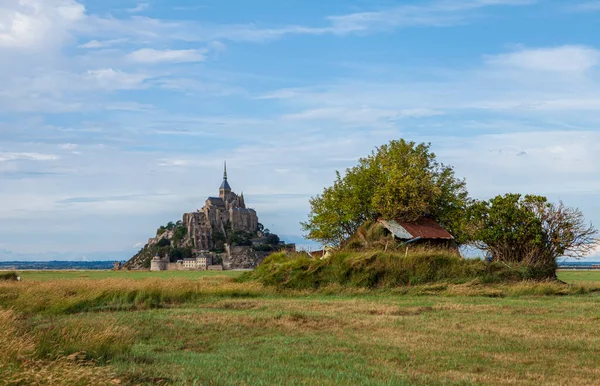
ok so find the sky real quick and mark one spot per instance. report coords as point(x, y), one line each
point(116, 115)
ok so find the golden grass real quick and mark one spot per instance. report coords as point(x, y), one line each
point(59, 332)
point(18, 365)
point(60, 297)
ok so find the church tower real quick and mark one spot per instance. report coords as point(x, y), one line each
point(225, 189)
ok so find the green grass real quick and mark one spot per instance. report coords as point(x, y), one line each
point(579, 276)
point(205, 328)
point(567, 276)
point(137, 275)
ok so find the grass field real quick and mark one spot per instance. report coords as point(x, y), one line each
point(567, 276)
point(204, 328)
point(579, 276)
point(136, 275)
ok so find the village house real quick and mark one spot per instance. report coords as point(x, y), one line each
point(200, 263)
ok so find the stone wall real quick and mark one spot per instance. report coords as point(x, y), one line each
point(242, 257)
point(158, 265)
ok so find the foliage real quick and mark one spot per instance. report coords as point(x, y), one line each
point(530, 230)
point(169, 227)
point(176, 253)
point(370, 236)
point(179, 233)
point(263, 248)
point(8, 276)
point(400, 180)
point(272, 239)
point(163, 242)
point(239, 238)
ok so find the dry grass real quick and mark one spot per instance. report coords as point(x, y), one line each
point(218, 331)
point(81, 295)
point(19, 366)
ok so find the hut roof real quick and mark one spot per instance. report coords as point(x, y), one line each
point(424, 228)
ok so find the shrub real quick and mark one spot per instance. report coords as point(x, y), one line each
point(164, 243)
point(8, 276)
point(263, 248)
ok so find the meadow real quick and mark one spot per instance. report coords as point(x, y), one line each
point(89, 327)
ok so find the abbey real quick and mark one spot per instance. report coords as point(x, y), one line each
point(224, 233)
point(218, 217)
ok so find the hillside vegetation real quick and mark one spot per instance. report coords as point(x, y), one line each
point(381, 269)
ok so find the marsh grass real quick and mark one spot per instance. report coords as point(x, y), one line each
point(220, 331)
point(20, 363)
point(81, 295)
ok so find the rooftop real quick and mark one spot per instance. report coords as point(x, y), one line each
point(424, 228)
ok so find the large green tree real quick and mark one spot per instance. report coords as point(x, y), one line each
point(399, 180)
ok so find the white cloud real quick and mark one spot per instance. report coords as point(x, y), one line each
point(437, 13)
point(110, 79)
point(27, 156)
point(547, 104)
point(38, 23)
point(173, 162)
point(139, 8)
point(568, 58)
point(148, 55)
point(101, 44)
point(68, 146)
point(360, 115)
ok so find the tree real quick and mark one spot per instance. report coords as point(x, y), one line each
point(179, 233)
point(530, 230)
point(164, 242)
point(399, 180)
point(272, 239)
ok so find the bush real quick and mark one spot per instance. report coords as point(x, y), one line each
point(8, 276)
point(164, 243)
point(272, 239)
point(379, 269)
point(263, 248)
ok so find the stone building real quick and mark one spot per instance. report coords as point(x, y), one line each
point(199, 263)
point(219, 215)
point(159, 263)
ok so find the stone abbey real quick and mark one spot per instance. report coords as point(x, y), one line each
point(223, 233)
point(220, 215)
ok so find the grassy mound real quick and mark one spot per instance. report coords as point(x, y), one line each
point(378, 269)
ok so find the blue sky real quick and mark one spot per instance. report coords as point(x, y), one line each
point(116, 115)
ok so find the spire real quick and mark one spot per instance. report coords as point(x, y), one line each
point(225, 185)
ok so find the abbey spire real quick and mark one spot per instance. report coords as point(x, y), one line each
point(225, 189)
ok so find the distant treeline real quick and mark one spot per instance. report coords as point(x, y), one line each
point(56, 265)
